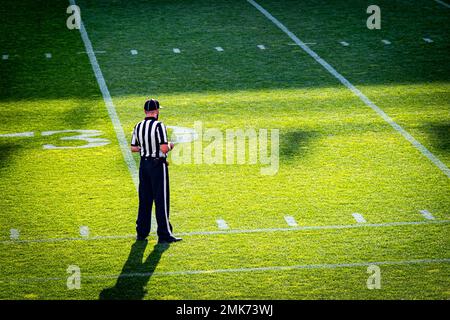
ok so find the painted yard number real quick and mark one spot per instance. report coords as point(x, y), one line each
point(88, 136)
point(85, 135)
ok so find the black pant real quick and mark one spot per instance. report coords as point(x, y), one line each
point(153, 186)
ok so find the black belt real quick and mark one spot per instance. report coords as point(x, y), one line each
point(153, 158)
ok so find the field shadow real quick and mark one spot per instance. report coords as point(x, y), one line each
point(10, 153)
point(296, 143)
point(6, 151)
point(135, 274)
point(33, 29)
point(80, 115)
point(440, 135)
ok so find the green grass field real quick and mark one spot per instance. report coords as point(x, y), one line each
point(337, 156)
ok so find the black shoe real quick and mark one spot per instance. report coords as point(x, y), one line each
point(169, 240)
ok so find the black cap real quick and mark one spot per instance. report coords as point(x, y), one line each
point(151, 105)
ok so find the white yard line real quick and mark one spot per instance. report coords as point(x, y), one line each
point(241, 231)
point(294, 44)
point(124, 146)
point(123, 143)
point(97, 51)
point(240, 270)
point(358, 93)
point(19, 134)
point(443, 3)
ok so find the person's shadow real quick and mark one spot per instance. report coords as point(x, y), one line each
point(135, 274)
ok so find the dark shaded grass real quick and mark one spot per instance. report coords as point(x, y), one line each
point(439, 135)
point(296, 143)
point(134, 287)
point(171, 24)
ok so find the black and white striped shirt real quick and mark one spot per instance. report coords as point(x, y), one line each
point(150, 134)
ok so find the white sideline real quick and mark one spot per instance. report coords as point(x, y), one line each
point(443, 3)
point(358, 93)
point(238, 270)
point(240, 231)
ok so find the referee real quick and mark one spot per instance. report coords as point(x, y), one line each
point(150, 139)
